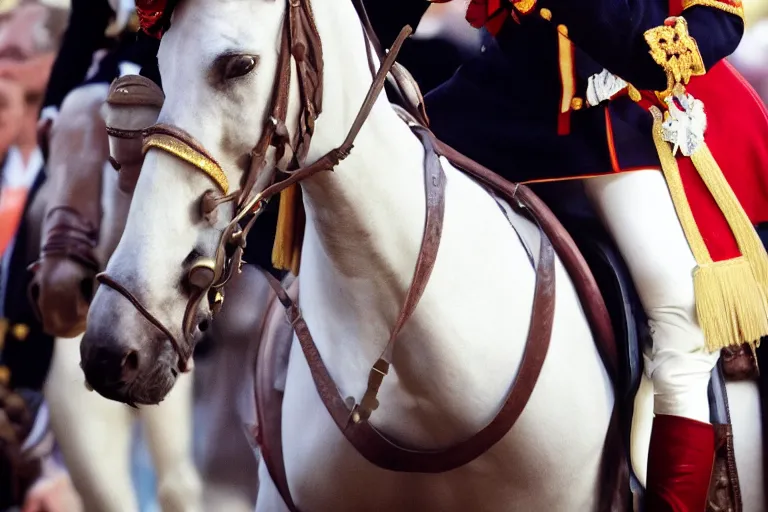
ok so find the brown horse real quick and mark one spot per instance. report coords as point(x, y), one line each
point(84, 218)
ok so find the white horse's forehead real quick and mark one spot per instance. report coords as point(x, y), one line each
point(212, 27)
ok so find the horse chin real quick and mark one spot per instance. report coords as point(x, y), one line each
point(123, 356)
point(151, 388)
point(150, 391)
point(151, 381)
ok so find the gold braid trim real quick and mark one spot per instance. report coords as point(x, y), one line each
point(731, 302)
point(676, 190)
point(749, 242)
point(565, 59)
point(735, 7)
point(184, 151)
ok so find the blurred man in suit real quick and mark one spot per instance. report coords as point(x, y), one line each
point(29, 38)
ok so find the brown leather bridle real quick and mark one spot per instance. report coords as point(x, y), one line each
point(72, 236)
point(301, 41)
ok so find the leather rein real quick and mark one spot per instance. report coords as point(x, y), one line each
point(300, 41)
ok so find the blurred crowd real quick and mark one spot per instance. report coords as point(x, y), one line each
point(30, 34)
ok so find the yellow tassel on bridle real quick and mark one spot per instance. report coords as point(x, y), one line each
point(286, 251)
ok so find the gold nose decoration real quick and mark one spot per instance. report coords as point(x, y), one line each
point(183, 151)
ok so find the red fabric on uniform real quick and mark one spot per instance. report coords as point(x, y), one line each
point(680, 461)
point(737, 136)
point(492, 14)
point(149, 13)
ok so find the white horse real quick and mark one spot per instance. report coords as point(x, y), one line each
point(455, 358)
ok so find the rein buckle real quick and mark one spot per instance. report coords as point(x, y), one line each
point(369, 403)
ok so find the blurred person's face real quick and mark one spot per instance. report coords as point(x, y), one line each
point(11, 112)
point(27, 50)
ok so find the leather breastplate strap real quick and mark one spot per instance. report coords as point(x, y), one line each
point(434, 184)
point(372, 444)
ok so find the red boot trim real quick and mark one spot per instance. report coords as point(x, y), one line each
point(679, 464)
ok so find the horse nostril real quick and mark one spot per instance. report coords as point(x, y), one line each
point(130, 366)
point(34, 291)
point(86, 289)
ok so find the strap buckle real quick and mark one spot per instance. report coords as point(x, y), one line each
point(369, 403)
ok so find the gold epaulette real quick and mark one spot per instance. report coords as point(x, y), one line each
point(676, 51)
point(735, 7)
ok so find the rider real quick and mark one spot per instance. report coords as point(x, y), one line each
point(106, 25)
point(565, 89)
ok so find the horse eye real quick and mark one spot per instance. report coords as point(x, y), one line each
point(239, 65)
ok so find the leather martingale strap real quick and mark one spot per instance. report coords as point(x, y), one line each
point(434, 183)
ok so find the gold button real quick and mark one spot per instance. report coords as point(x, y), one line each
point(524, 6)
point(563, 30)
point(20, 331)
point(546, 14)
point(5, 375)
point(634, 94)
point(577, 103)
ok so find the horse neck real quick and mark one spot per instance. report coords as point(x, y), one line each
point(75, 167)
point(365, 220)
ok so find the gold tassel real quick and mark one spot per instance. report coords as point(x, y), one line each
point(731, 304)
point(676, 190)
point(286, 251)
point(749, 242)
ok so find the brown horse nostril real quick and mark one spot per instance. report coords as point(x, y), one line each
point(86, 289)
point(130, 366)
point(33, 296)
point(34, 291)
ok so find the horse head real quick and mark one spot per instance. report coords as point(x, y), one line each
point(181, 245)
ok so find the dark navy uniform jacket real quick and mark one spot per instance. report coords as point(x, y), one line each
point(509, 94)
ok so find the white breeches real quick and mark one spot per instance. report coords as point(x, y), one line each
point(637, 210)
